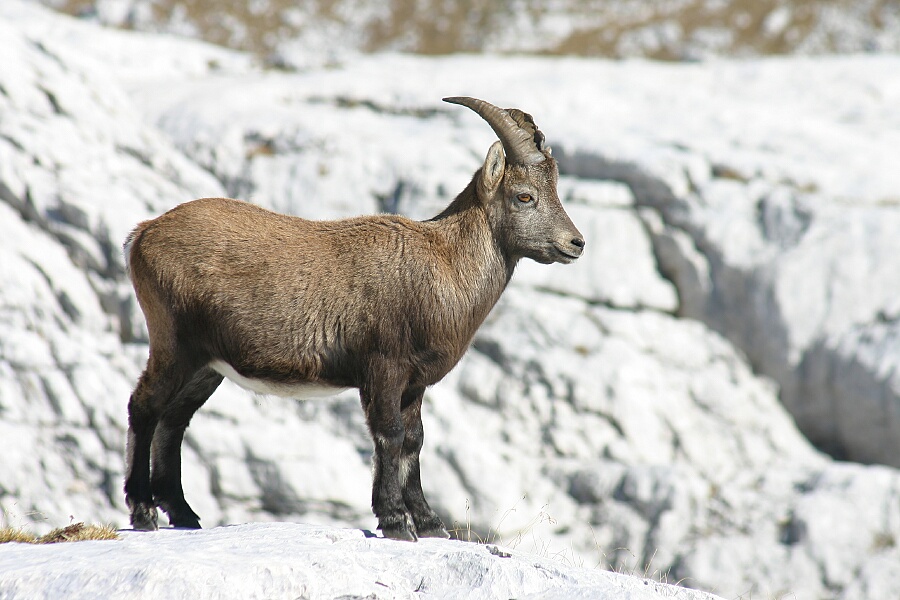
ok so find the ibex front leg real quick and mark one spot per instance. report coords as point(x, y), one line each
point(427, 523)
point(381, 402)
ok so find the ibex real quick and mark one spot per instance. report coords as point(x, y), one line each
point(287, 306)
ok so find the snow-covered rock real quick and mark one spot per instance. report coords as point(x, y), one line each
point(284, 560)
point(779, 232)
point(608, 411)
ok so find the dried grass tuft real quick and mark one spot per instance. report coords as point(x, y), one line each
point(77, 532)
point(14, 534)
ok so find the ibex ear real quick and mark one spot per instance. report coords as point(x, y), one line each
point(493, 169)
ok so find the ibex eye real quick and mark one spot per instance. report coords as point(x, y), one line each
point(524, 198)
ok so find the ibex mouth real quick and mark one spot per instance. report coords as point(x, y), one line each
point(566, 257)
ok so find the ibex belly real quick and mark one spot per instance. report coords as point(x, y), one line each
point(300, 391)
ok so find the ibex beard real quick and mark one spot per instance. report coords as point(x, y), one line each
point(288, 306)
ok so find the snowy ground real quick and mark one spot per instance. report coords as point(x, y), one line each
point(742, 257)
point(286, 560)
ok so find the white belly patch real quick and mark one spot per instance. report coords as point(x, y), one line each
point(300, 391)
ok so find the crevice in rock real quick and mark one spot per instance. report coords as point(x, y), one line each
point(782, 218)
point(54, 102)
point(212, 470)
point(65, 303)
point(46, 52)
point(449, 457)
point(348, 102)
point(792, 531)
point(647, 190)
point(15, 144)
point(279, 498)
point(665, 270)
point(136, 154)
point(830, 374)
point(389, 203)
point(634, 308)
point(276, 495)
point(492, 350)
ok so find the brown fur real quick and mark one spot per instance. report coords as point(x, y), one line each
point(286, 299)
point(380, 303)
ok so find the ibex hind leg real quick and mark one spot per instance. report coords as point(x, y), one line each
point(165, 481)
point(159, 382)
point(427, 522)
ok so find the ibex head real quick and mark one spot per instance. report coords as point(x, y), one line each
point(517, 186)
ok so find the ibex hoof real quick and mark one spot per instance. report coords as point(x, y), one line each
point(437, 532)
point(185, 523)
point(143, 518)
point(399, 527)
point(180, 515)
point(404, 534)
point(430, 525)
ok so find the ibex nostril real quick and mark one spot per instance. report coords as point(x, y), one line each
point(578, 242)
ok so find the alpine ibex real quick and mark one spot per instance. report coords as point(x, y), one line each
point(298, 308)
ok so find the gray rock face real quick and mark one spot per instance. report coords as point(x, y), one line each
point(774, 241)
point(810, 298)
point(623, 411)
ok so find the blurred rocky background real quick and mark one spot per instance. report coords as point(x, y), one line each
point(284, 31)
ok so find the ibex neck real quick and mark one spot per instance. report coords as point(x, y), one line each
point(481, 264)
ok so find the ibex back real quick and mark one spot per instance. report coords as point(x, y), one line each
point(298, 308)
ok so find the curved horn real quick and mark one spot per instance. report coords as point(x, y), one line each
point(521, 138)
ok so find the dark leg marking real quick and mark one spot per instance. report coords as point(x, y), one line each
point(427, 522)
point(165, 482)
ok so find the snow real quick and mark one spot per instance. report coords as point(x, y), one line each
point(285, 560)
